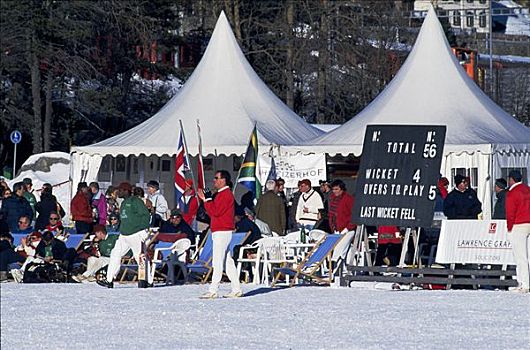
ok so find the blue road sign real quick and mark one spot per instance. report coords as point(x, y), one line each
point(16, 137)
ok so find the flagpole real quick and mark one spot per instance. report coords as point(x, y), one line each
point(200, 160)
point(186, 151)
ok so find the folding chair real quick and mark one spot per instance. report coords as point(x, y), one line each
point(170, 253)
point(202, 266)
point(311, 264)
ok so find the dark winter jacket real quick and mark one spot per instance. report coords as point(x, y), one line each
point(58, 249)
point(182, 227)
point(47, 204)
point(499, 211)
point(462, 205)
point(13, 208)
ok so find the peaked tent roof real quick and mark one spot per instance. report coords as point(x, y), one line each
point(432, 88)
point(227, 97)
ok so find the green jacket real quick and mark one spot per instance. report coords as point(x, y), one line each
point(32, 201)
point(134, 216)
point(106, 245)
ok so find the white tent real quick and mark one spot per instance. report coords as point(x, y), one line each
point(228, 98)
point(431, 88)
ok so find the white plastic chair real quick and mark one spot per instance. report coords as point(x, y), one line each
point(316, 235)
point(254, 261)
point(178, 248)
point(274, 251)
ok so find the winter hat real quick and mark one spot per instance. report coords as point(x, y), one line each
point(153, 184)
point(501, 183)
point(27, 181)
point(176, 212)
point(515, 175)
point(125, 186)
point(459, 179)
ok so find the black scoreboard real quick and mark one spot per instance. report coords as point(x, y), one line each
point(398, 175)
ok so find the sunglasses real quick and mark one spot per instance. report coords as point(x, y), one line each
point(54, 219)
point(22, 222)
point(113, 219)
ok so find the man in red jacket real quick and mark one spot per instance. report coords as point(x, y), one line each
point(340, 207)
point(221, 210)
point(81, 209)
point(518, 221)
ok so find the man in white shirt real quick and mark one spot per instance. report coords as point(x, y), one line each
point(160, 206)
point(308, 205)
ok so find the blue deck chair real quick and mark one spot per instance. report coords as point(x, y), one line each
point(309, 267)
point(201, 268)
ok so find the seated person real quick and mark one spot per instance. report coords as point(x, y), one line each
point(263, 226)
point(177, 224)
point(101, 248)
point(24, 226)
point(7, 254)
point(244, 224)
point(51, 248)
point(55, 224)
point(24, 253)
point(114, 223)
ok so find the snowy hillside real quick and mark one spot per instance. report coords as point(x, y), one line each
point(80, 316)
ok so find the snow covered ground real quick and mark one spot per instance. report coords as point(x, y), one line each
point(80, 316)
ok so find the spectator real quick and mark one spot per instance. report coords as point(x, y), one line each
point(28, 193)
point(280, 192)
point(244, 221)
point(26, 254)
point(52, 249)
point(247, 200)
point(340, 207)
point(114, 223)
point(462, 202)
point(388, 246)
point(133, 232)
point(160, 207)
point(292, 205)
point(81, 209)
point(16, 206)
point(55, 224)
point(177, 224)
point(23, 226)
point(113, 205)
point(45, 206)
point(102, 246)
point(7, 255)
point(191, 203)
point(325, 191)
point(308, 205)
point(518, 222)
point(99, 203)
point(499, 210)
point(441, 194)
point(271, 209)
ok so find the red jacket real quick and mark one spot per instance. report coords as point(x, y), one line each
point(340, 209)
point(221, 210)
point(191, 211)
point(518, 205)
point(80, 208)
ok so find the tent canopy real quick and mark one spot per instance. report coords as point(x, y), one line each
point(431, 88)
point(227, 97)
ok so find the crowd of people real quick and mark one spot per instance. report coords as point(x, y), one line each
point(118, 221)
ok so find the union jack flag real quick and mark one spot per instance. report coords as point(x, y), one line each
point(181, 166)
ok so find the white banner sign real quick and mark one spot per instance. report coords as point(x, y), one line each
point(474, 242)
point(293, 168)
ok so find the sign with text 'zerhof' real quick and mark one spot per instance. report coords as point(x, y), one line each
point(399, 171)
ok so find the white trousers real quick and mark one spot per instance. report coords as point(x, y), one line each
point(222, 256)
point(94, 264)
point(123, 244)
point(519, 239)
